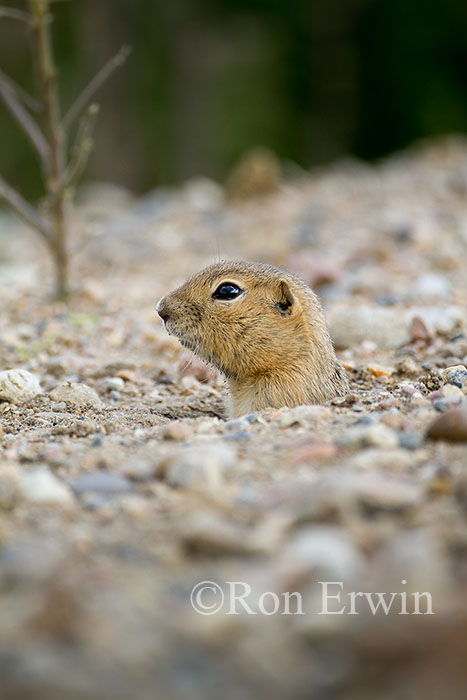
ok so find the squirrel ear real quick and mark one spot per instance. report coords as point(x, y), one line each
point(286, 302)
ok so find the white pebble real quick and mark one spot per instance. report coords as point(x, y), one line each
point(376, 435)
point(18, 385)
point(40, 487)
point(112, 384)
point(306, 416)
point(200, 468)
point(432, 285)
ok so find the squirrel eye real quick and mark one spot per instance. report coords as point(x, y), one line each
point(226, 291)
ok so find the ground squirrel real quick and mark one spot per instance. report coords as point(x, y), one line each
point(263, 328)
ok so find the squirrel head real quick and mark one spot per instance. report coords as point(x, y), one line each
point(243, 318)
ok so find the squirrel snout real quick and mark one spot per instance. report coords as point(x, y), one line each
point(162, 310)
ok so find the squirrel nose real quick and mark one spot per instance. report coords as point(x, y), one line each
point(162, 311)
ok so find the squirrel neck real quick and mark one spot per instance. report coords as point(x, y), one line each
point(281, 388)
point(313, 381)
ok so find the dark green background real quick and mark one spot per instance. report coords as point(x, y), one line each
point(312, 79)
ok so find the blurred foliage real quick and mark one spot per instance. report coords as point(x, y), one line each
point(207, 79)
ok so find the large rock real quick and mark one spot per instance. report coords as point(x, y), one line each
point(387, 328)
point(438, 319)
point(76, 394)
point(18, 385)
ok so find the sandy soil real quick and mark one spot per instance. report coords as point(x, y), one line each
point(117, 500)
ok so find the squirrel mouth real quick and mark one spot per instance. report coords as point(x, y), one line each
point(187, 343)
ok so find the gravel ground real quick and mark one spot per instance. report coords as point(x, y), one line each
point(123, 487)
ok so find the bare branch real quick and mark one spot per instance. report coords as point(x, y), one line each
point(23, 118)
point(13, 13)
point(23, 210)
point(21, 94)
point(82, 148)
point(89, 91)
point(48, 91)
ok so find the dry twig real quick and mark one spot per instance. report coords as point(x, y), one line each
point(50, 141)
point(13, 13)
point(82, 148)
point(23, 210)
point(23, 118)
point(94, 85)
point(21, 94)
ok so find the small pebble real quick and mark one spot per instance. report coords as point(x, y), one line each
point(410, 441)
point(135, 506)
point(252, 418)
point(376, 458)
point(306, 416)
point(456, 376)
point(141, 469)
point(418, 329)
point(432, 381)
point(407, 366)
point(128, 375)
point(111, 384)
point(237, 437)
point(379, 371)
point(198, 468)
point(101, 482)
point(450, 426)
point(312, 448)
point(177, 431)
point(448, 396)
point(39, 486)
point(324, 551)
point(209, 532)
point(432, 286)
point(417, 400)
point(236, 425)
point(444, 404)
point(376, 435)
point(450, 390)
point(389, 494)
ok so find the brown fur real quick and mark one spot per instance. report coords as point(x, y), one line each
point(272, 343)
